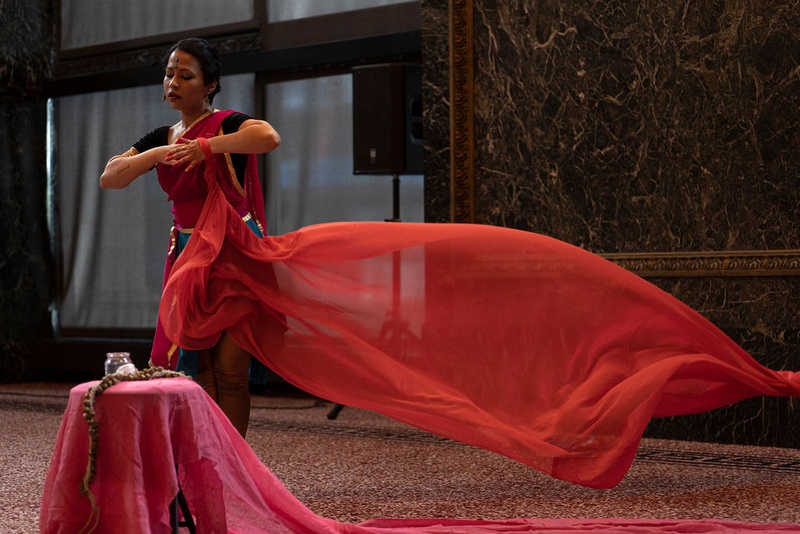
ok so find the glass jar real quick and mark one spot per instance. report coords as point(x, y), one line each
point(119, 363)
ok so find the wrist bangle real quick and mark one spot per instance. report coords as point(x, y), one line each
point(205, 146)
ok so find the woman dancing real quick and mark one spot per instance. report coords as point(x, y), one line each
point(225, 143)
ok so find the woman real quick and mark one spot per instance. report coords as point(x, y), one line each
point(204, 140)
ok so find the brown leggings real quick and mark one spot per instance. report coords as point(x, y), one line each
point(222, 371)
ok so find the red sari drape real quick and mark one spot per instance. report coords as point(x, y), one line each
point(188, 190)
point(503, 339)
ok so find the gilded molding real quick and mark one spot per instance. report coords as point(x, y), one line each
point(462, 143)
point(707, 264)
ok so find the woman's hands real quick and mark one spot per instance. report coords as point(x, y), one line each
point(190, 154)
point(253, 137)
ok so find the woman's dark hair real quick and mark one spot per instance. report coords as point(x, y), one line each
point(206, 54)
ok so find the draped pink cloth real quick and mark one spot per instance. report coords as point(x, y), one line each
point(503, 339)
point(160, 435)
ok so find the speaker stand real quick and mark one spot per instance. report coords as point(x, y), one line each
point(395, 199)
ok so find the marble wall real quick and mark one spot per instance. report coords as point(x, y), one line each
point(26, 266)
point(665, 131)
point(628, 128)
point(436, 109)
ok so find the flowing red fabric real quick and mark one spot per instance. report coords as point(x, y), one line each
point(157, 436)
point(503, 339)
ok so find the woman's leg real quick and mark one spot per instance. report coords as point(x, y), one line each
point(231, 364)
point(205, 373)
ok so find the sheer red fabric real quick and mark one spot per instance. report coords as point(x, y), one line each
point(503, 339)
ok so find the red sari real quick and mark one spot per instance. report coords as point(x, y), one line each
point(187, 191)
point(503, 339)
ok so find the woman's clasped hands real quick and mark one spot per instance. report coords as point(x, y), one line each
point(189, 153)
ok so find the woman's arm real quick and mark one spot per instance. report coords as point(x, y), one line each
point(253, 137)
point(123, 169)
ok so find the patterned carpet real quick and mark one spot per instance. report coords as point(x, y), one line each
point(362, 465)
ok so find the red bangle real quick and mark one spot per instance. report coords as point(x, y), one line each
point(205, 146)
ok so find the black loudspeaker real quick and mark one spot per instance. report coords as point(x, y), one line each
point(387, 119)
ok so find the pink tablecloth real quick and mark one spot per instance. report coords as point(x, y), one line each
point(147, 428)
point(157, 434)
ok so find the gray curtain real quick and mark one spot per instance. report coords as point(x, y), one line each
point(96, 22)
point(279, 10)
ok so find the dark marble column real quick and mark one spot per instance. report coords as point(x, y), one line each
point(26, 263)
point(658, 134)
point(621, 126)
point(436, 112)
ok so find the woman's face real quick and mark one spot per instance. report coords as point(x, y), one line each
point(184, 85)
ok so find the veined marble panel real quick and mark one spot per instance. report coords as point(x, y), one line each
point(436, 109)
point(626, 126)
point(27, 271)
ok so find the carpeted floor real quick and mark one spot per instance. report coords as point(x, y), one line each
point(362, 465)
